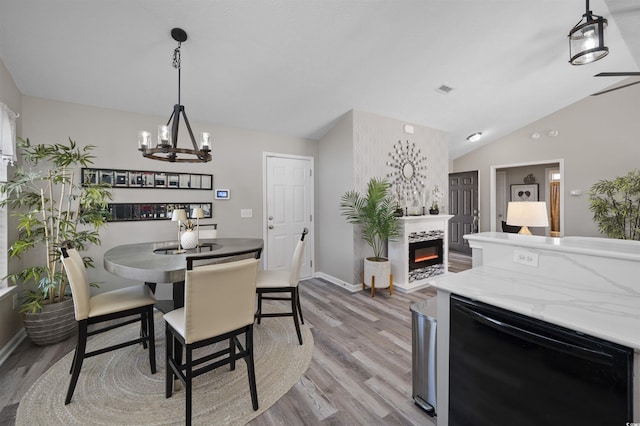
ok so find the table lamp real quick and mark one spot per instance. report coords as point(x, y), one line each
point(527, 213)
point(180, 216)
point(197, 213)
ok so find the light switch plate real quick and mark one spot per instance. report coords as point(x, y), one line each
point(246, 212)
point(525, 258)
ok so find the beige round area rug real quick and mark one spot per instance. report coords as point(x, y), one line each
point(117, 388)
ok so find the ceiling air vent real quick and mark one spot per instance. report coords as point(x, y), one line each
point(444, 89)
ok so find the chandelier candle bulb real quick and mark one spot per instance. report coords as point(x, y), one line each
point(205, 141)
point(164, 137)
point(144, 139)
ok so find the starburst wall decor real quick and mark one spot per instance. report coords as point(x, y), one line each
point(408, 176)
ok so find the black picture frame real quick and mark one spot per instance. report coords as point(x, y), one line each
point(526, 192)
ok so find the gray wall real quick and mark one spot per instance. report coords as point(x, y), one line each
point(334, 244)
point(599, 138)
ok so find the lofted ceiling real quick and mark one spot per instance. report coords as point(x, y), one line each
point(295, 67)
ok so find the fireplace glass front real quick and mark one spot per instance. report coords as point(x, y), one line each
point(425, 253)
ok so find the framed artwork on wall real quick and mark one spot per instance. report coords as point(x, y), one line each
point(528, 192)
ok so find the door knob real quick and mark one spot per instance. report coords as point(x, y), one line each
point(270, 226)
point(270, 217)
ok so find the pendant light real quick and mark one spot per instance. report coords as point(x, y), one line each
point(586, 39)
point(167, 146)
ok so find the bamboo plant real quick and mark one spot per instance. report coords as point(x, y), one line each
point(52, 208)
point(616, 206)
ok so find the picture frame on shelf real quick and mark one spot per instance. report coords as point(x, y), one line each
point(121, 178)
point(173, 181)
point(526, 192)
point(106, 177)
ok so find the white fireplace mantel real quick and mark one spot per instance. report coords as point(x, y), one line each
point(399, 249)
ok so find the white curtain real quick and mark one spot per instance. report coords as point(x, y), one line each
point(7, 135)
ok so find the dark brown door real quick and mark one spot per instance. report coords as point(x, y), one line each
point(463, 205)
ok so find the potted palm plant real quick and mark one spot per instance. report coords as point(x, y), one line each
point(376, 213)
point(52, 209)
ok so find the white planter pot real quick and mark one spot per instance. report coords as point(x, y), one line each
point(377, 274)
point(189, 240)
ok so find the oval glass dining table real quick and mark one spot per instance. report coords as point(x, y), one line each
point(158, 262)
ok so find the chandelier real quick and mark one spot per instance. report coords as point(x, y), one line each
point(586, 39)
point(167, 146)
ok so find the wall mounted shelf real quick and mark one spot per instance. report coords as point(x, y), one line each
point(127, 212)
point(147, 179)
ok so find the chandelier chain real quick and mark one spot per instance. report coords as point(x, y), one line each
point(176, 57)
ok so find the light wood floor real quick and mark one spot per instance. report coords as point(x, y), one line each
point(360, 373)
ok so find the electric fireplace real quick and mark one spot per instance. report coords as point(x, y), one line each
point(420, 251)
point(425, 253)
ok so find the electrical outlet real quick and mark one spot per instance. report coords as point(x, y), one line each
point(525, 258)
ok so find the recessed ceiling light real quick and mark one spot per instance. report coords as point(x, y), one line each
point(474, 137)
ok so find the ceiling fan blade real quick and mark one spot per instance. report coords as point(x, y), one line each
point(617, 74)
point(615, 88)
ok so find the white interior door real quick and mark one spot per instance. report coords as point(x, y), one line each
point(288, 209)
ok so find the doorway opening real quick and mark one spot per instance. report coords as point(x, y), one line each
point(547, 177)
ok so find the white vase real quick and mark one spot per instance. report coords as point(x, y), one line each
point(189, 239)
point(377, 274)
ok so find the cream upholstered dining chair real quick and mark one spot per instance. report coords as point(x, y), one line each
point(273, 281)
point(108, 306)
point(219, 305)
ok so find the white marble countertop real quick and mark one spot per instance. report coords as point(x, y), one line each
point(601, 247)
point(605, 309)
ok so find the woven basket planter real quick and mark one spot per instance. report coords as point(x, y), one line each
point(53, 324)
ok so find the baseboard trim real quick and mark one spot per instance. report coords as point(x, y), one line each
point(8, 349)
point(333, 280)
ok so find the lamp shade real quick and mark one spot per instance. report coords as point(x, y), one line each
point(179, 214)
point(197, 213)
point(527, 213)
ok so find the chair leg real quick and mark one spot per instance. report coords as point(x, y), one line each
point(259, 312)
point(188, 382)
point(294, 311)
point(169, 376)
point(78, 358)
point(298, 303)
point(152, 339)
point(250, 367)
point(144, 332)
point(232, 352)
point(75, 357)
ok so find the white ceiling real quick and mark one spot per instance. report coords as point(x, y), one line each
point(294, 67)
